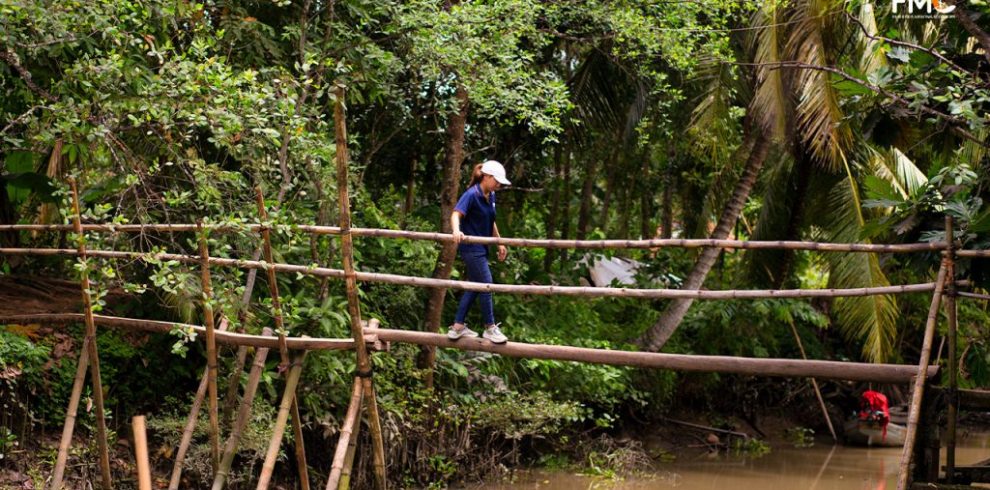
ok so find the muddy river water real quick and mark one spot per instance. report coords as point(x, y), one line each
point(816, 468)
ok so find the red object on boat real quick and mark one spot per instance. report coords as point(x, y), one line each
point(873, 407)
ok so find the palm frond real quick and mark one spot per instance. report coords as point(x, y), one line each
point(819, 117)
point(770, 102)
point(870, 319)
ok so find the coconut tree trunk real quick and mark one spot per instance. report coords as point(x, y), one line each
point(554, 215)
point(667, 205)
point(448, 199)
point(657, 335)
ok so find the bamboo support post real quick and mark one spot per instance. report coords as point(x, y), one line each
point(234, 381)
point(211, 349)
point(141, 452)
point(295, 371)
point(353, 304)
point(70, 417)
point(529, 242)
point(950, 307)
point(904, 473)
point(187, 431)
point(90, 343)
point(580, 291)
point(346, 435)
point(283, 348)
point(243, 416)
point(345, 473)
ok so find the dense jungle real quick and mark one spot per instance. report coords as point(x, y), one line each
point(814, 120)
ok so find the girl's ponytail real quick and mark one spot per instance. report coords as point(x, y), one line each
point(476, 175)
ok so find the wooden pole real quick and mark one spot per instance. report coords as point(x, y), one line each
point(283, 348)
point(904, 474)
point(70, 417)
point(950, 307)
point(593, 292)
point(353, 304)
point(187, 432)
point(211, 349)
point(345, 474)
point(529, 242)
point(346, 435)
point(267, 341)
point(295, 371)
point(141, 452)
point(243, 415)
point(234, 381)
point(814, 384)
point(796, 368)
point(90, 343)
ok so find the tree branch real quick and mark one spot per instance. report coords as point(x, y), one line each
point(962, 15)
point(9, 57)
point(905, 44)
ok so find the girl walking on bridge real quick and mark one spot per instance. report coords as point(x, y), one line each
point(475, 215)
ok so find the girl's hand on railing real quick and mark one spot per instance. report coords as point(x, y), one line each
point(458, 236)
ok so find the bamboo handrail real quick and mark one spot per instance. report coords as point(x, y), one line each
point(984, 297)
point(904, 474)
point(227, 338)
point(853, 371)
point(501, 288)
point(519, 242)
point(973, 253)
point(90, 343)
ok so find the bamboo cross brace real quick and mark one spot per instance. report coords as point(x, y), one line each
point(211, 349)
point(346, 435)
point(904, 474)
point(526, 242)
point(345, 474)
point(282, 346)
point(70, 417)
point(295, 371)
point(90, 343)
point(353, 303)
point(243, 415)
point(187, 432)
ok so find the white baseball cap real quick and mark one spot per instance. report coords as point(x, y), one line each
point(495, 169)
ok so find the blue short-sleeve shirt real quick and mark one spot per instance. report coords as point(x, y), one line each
point(478, 217)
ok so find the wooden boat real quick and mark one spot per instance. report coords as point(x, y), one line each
point(867, 433)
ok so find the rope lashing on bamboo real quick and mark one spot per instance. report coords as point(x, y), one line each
point(228, 338)
point(853, 371)
point(511, 242)
point(378, 277)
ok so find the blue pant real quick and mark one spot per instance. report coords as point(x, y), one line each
point(476, 265)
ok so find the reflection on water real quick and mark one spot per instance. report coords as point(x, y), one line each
point(816, 468)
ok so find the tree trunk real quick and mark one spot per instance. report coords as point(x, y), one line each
point(410, 193)
point(448, 199)
point(657, 335)
point(584, 214)
point(667, 206)
point(552, 216)
point(610, 175)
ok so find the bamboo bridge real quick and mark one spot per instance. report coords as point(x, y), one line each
point(919, 462)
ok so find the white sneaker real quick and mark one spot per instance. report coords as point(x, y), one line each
point(454, 334)
point(495, 335)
